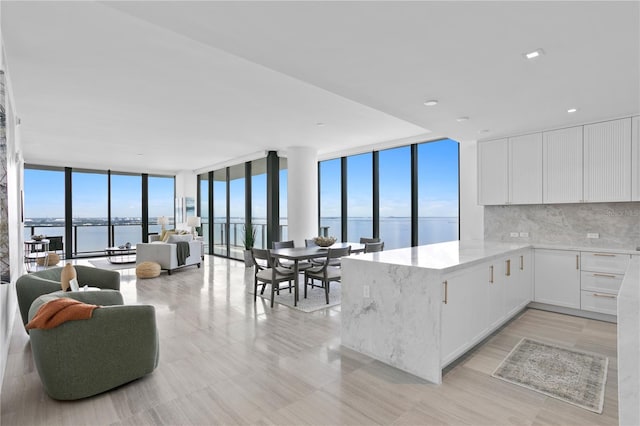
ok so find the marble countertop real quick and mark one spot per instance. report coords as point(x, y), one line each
point(454, 255)
point(443, 256)
point(589, 249)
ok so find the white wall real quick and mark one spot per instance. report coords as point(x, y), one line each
point(15, 166)
point(471, 214)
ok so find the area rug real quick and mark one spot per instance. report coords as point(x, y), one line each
point(569, 375)
point(315, 297)
point(105, 264)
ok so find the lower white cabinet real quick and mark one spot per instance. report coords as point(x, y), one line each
point(518, 281)
point(481, 298)
point(460, 311)
point(557, 277)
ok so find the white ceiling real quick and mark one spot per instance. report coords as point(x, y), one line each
point(167, 86)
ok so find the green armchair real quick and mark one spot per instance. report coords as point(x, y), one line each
point(78, 359)
point(31, 286)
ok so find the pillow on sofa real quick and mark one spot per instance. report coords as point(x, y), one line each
point(176, 238)
point(166, 235)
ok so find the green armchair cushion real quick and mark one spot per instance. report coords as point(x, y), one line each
point(30, 286)
point(79, 359)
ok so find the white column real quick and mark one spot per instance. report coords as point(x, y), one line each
point(302, 193)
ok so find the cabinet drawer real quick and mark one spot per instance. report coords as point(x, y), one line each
point(604, 262)
point(599, 302)
point(599, 281)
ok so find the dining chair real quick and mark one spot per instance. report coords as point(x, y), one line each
point(364, 240)
point(310, 242)
point(270, 274)
point(326, 273)
point(302, 265)
point(373, 247)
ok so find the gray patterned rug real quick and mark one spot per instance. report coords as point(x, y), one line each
point(569, 375)
point(315, 297)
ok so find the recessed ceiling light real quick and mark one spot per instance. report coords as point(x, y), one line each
point(461, 119)
point(431, 102)
point(572, 110)
point(319, 124)
point(483, 131)
point(534, 54)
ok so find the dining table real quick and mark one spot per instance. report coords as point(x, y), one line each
point(296, 254)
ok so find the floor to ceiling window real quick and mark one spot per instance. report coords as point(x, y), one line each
point(395, 197)
point(259, 201)
point(161, 201)
point(90, 211)
point(204, 209)
point(220, 229)
point(434, 195)
point(330, 197)
point(284, 234)
point(438, 205)
point(236, 210)
point(360, 196)
point(126, 209)
point(44, 196)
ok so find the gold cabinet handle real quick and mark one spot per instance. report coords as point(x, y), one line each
point(606, 296)
point(446, 292)
point(508, 273)
point(577, 261)
point(522, 263)
point(604, 254)
point(604, 275)
point(491, 276)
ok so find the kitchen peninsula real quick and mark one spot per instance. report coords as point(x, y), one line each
point(420, 308)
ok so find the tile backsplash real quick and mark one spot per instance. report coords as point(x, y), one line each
point(618, 224)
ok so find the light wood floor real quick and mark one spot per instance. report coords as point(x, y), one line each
point(226, 360)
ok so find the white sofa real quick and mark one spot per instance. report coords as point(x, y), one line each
point(166, 255)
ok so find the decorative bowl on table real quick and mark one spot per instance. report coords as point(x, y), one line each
point(324, 241)
point(38, 237)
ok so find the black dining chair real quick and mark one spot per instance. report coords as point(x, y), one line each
point(270, 274)
point(373, 247)
point(364, 240)
point(326, 273)
point(302, 265)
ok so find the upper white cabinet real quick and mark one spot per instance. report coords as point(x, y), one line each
point(597, 162)
point(562, 172)
point(493, 172)
point(635, 160)
point(525, 169)
point(607, 161)
point(510, 170)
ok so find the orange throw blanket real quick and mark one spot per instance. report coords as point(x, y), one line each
point(58, 311)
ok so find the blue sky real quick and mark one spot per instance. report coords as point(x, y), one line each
point(44, 194)
point(437, 188)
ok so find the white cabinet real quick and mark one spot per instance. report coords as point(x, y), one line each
point(562, 171)
point(493, 172)
point(525, 169)
point(635, 158)
point(607, 161)
point(601, 278)
point(510, 170)
point(557, 277)
point(518, 281)
point(496, 292)
point(480, 299)
point(461, 315)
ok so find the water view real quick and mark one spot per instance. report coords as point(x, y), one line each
point(90, 235)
